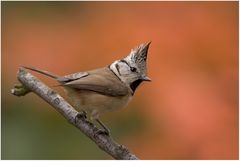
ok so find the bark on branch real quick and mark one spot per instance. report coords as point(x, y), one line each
point(104, 142)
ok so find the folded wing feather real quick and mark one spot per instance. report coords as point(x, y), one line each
point(101, 80)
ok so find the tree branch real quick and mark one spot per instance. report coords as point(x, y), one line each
point(104, 142)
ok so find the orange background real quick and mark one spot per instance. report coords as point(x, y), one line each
point(188, 111)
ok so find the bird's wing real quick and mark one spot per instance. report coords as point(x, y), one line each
point(72, 77)
point(102, 81)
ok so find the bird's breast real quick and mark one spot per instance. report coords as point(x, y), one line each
point(96, 103)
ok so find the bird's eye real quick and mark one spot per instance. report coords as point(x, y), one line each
point(133, 69)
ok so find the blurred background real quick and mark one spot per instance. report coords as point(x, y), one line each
point(188, 111)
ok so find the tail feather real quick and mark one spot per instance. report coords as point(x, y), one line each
point(42, 72)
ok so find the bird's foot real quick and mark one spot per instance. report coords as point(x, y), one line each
point(103, 132)
point(80, 115)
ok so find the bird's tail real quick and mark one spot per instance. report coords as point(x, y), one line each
point(42, 72)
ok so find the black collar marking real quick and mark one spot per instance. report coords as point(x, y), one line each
point(135, 84)
point(114, 73)
point(117, 66)
point(124, 61)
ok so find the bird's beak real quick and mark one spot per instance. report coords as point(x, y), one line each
point(145, 78)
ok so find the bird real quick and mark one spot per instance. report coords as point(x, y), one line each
point(104, 89)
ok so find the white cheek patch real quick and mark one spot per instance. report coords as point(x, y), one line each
point(114, 68)
point(123, 72)
point(124, 69)
point(120, 69)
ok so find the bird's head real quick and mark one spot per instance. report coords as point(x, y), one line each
point(132, 70)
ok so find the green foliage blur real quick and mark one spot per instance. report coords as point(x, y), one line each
point(30, 133)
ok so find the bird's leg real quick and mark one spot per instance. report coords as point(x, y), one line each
point(80, 115)
point(105, 129)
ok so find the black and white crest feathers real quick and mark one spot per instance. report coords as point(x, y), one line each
point(138, 55)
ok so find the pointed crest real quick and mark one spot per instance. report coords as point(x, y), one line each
point(138, 55)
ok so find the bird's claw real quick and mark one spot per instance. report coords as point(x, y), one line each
point(103, 132)
point(80, 115)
